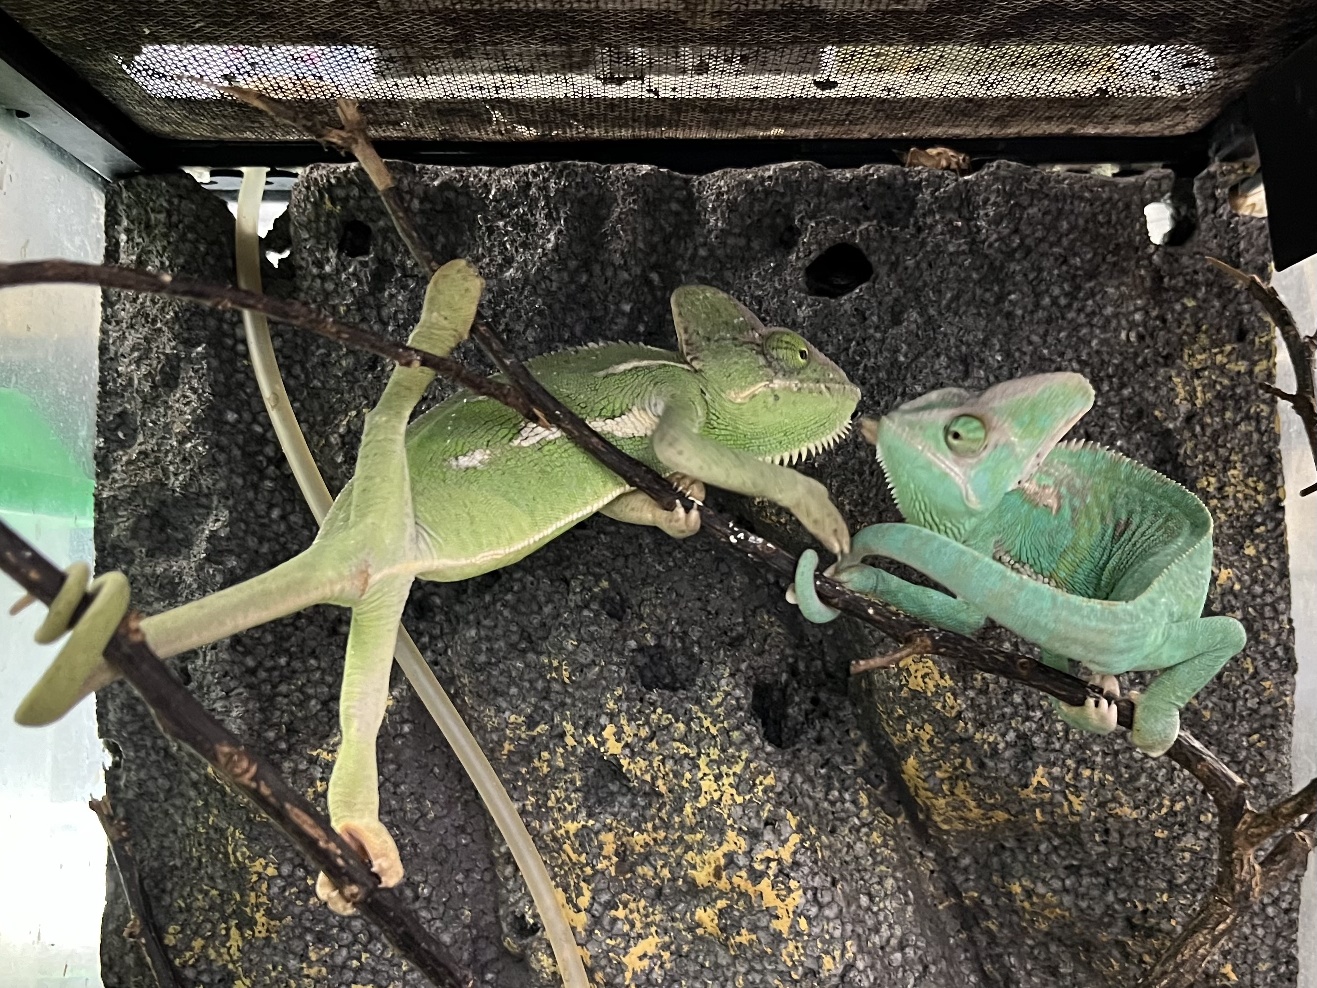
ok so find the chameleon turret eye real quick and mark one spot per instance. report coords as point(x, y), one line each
point(787, 348)
point(966, 435)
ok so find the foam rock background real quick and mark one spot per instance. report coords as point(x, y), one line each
point(718, 802)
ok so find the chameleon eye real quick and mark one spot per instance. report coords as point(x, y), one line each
point(787, 349)
point(966, 435)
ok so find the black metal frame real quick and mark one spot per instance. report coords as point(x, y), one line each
point(1185, 153)
point(1283, 110)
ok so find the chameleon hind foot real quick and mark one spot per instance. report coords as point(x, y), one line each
point(1156, 725)
point(638, 508)
point(680, 523)
point(74, 673)
point(1097, 714)
point(374, 843)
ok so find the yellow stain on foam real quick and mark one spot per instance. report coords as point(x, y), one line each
point(955, 806)
point(1042, 909)
point(248, 914)
point(575, 917)
point(1229, 972)
point(612, 743)
point(921, 674)
point(1039, 779)
point(709, 870)
point(706, 918)
point(1236, 488)
point(518, 734)
point(680, 841)
point(784, 853)
point(638, 958)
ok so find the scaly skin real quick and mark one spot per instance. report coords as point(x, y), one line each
point(1080, 550)
point(470, 487)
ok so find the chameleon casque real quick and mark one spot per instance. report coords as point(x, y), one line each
point(1089, 555)
point(470, 487)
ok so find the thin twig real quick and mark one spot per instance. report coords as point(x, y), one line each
point(352, 139)
point(1302, 352)
point(181, 717)
point(359, 145)
point(142, 928)
point(919, 646)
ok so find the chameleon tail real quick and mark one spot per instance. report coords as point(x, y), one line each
point(806, 597)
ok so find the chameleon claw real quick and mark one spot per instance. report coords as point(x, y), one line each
point(374, 843)
point(690, 486)
point(1097, 714)
point(680, 523)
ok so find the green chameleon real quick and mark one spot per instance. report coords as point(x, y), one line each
point(1089, 555)
point(470, 487)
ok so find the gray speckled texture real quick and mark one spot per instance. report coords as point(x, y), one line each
point(719, 804)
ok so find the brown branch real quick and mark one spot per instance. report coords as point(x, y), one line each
point(352, 139)
point(291, 313)
point(142, 927)
point(1266, 823)
point(181, 717)
point(1302, 352)
point(1241, 881)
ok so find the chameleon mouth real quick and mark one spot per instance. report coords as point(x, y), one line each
point(1049, 442)
point(813, 449)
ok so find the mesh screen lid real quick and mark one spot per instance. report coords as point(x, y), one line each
point(586, 69)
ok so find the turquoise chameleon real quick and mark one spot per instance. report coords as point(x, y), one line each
point(470, 487)
point(1083, 552)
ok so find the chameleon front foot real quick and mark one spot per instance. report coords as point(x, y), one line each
point(1097, 715)
point(637, 508)
point(79, 668)
point(374, 842)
